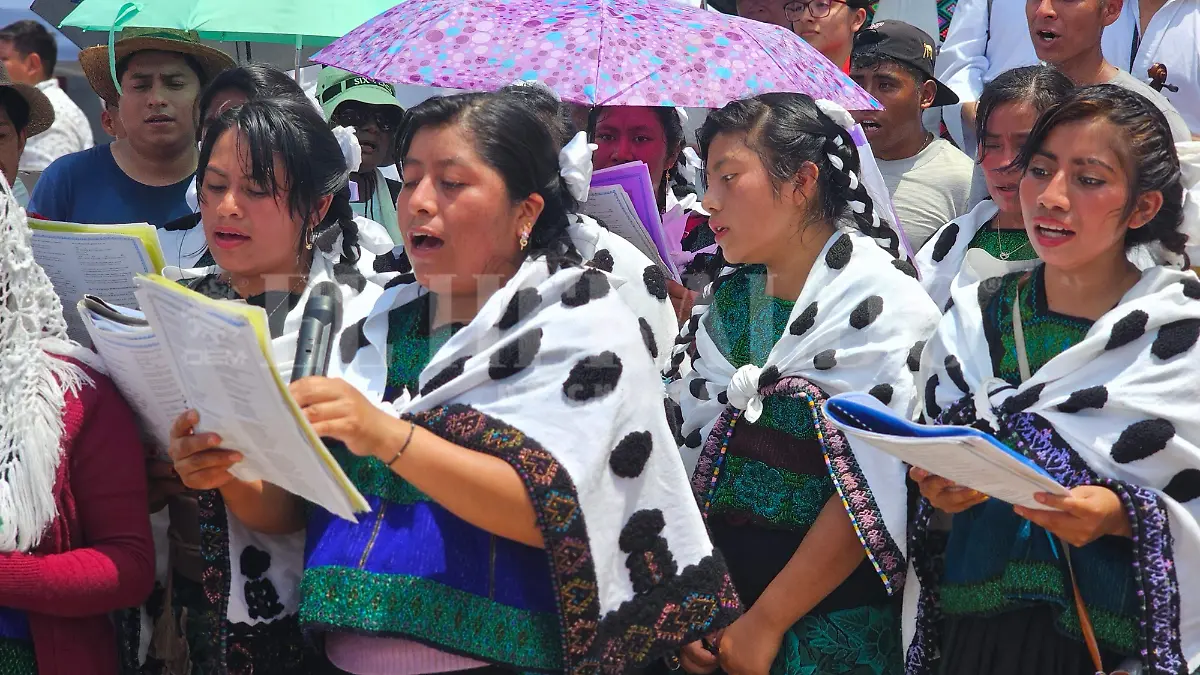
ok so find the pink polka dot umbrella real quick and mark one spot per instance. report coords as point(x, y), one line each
point(592, 52)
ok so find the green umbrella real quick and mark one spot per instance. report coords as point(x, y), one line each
point(303, 23)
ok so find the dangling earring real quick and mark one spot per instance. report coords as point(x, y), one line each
point(309, 237)
point(524, 239)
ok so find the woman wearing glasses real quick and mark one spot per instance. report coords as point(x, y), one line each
point(827, 25)
point(372, 109)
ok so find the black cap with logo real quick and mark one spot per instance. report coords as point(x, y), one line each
point(903, 43)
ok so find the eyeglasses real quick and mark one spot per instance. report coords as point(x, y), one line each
point(386, 118)
point(819, 9)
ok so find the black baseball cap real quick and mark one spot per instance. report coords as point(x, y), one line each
point(907, 44)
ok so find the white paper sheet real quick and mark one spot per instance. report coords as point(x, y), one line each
point(221, 368)
point(611, 206)
point(140, 367)
point(81, 264)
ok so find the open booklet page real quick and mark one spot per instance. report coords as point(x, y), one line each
point(217, 355)
point(963, 455)
point(139, 366)
point(99, 260)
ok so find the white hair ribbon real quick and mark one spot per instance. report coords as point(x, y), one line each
point(837, 113)
point(351, 150)
point(575, 165)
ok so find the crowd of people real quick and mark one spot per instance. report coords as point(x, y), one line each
point(576, 463)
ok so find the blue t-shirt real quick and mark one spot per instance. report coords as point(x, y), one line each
point(88, 187)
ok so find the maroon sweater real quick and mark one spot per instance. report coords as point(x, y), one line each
point(97, 556)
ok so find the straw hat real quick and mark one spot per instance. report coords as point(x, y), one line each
point(41, 112)
point(95, 65)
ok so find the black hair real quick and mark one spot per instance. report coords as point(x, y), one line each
point(295, 134)
point(511, 137)
point(31, 37)
point(542, 100)
point(871, 59)
point(191, 61)
point(788, 130)
point(672, 128)
point(255, 81)
point(1150, 159)
point(1040, 86)
point(16, 106)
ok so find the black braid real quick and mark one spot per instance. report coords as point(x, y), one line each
point(866, 222)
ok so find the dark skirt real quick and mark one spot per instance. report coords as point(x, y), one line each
point(1020, 642)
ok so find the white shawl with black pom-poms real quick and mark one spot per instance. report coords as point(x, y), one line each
point(637, 280)
point(1121, 409)
point(559, 361)
point(851, 329)
point(943, 261)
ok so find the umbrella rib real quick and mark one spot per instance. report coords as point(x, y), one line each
point(771, 55)
point(600, 50)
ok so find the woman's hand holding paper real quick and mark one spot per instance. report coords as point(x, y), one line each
point(1088, 513)
point(945, 495)
point(199, 460)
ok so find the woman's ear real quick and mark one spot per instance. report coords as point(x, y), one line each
point(803, 186)
point(528, 211)
point(1145, 208)
point(323, 205)
point(673, 157)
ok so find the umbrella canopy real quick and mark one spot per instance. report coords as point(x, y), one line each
point(592, 52)
point(293, 22)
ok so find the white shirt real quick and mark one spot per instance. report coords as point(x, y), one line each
point(70, 132)
point(969, 59)
point(1171, 38)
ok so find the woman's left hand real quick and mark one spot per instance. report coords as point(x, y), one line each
point(1088, 513)
point(337, 410)
point(749, 645)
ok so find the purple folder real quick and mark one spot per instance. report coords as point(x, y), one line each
point(634, 178)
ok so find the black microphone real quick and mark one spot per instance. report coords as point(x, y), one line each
point(321, 320)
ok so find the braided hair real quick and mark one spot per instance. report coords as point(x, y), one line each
point(788, 130)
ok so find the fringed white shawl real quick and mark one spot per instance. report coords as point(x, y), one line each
point(559, 358)
point(852, 329)
point(1127, 402)
point(33, 384)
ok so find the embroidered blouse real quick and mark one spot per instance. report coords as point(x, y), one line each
point(997, 561)
point(414, 571)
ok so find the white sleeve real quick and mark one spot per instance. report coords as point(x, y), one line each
point(963, 61)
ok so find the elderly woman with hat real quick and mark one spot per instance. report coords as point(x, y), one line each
point(75, 539)
point(143, 176)
point(24, 111)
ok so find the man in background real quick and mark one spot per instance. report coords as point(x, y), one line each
point(929, 179)
point(29, 53)
point(1067, 34)
point(827, 25)
point(143, 176)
